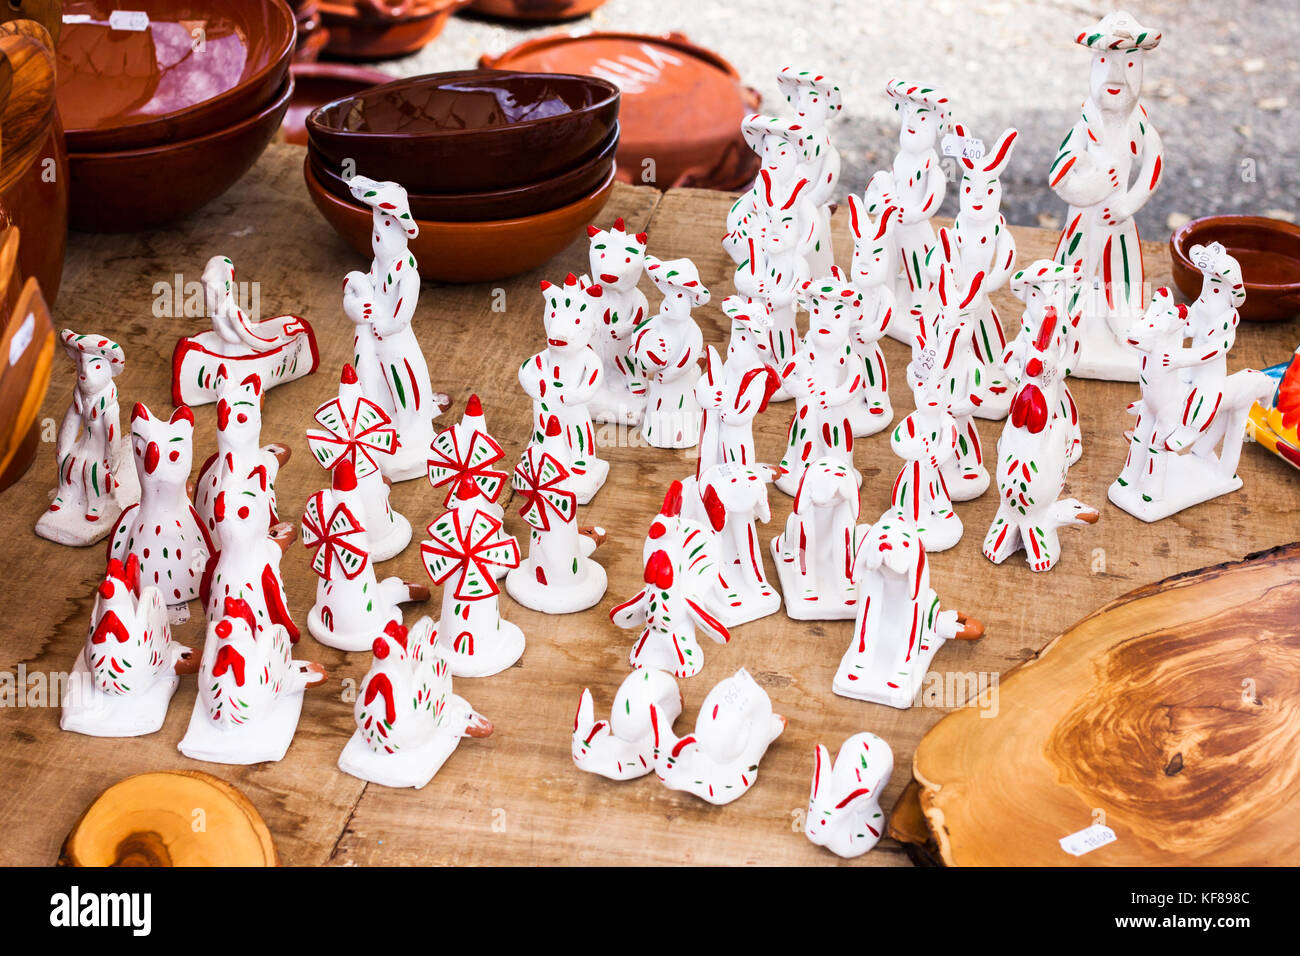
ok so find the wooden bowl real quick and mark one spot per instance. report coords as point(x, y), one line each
point(128, 89)
point(536, 10)
point(315, 84)
point(450, 132)
point(1268, 251)
point(357, 31)
point(140, 189)
point(469, 251)
point(511, 203)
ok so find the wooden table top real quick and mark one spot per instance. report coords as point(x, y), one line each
point(516, 798)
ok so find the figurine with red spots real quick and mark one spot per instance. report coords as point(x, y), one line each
point(668, 349)
point(617, 260)
point(844, 813)
point(816, 100)
point(872, 273)
point(622, 747)
point(814, 552)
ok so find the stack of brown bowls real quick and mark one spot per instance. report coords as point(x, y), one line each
point(502, 169)
point(166, 103)
point(383, 29)
point(312, 35)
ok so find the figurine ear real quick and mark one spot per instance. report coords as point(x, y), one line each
point(794, 195)
point(255, 381)
point(672, 501)
point(570, 279)
point(140, 412)
point(967, 163)
point(856, 214)
point(618, 224)
point(642, 238)
point(714, 508)
point(767, 184)
point(1002, 152)
point(593, 232)
point(182, 413)
point(545, 285)
point(821, 771)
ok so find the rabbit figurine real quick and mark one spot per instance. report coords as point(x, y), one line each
point(622, 748)
point(844, 812)
point(871, 273)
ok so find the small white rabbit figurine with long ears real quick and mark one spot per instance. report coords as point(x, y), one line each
point(622, 748)
point(844, 813)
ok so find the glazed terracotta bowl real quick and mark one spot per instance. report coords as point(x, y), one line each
point(536, 10)
point(469, 251)
point(138, 189)
point(361, 30)
point(511, 203)
point(132, 89)
point(312, 35)
point(470, 130)
point(315, 84)
point(1268, 251)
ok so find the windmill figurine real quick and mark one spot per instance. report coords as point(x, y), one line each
point(461, 461)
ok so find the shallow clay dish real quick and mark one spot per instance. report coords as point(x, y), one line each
point(502, 204)
point(139, 189)
point(470, 251)
point(315, 84)
point(358, 31)
point(469, 130)
point(1268, 251)
point(131, 89)
point(536, 10)
point(660, 76)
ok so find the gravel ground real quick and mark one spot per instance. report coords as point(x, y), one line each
point(1222, 88)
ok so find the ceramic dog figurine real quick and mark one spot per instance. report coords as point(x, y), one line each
point(814, 553)
point(617, 260)
point(622, 747)
point(667, 349)
point(844, 812)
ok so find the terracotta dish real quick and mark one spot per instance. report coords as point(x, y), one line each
point(312, 35)
point(470, 251)
point(315, 84)
point(502, 204)
point(470, 130)
point(139, 189)
point(1268, 251)
point(131, 89)
point(375, 31)
point(660, 76)
point(536, 10)
point(27, 342)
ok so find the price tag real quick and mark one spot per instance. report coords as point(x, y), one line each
point(963, 147)
point(178, 614)
point(22, 338)
point(1206, 257)
point(76, 18)
point(1085, 841)
point(134, 20)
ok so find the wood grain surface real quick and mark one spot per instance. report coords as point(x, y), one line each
point(516, 798)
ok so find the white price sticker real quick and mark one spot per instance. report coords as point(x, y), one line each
point(134, 20)
point(22, 338)
point(1085, 841)
point(77, 18)
point(178, 614)
point(963, 147)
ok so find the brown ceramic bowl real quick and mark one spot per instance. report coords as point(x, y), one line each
point(451, 133)
point(357, 31)
point(511, 203)
point(536, 10)
point(1268, 251)
point(662, 76)
point(127, 89)
point(139, 189)
point(315, 84)
point(470, 251)
point(312, 36)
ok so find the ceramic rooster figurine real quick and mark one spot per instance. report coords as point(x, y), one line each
point(622, 747)
point(163, 530)
point(844, 812)
point(814, 554)
point(128, 669)
point(408, 719)
point(96, 480)
point(250, 691)
point(719, 761)
point(617, 260)
point(899, 626)
point(667, 350)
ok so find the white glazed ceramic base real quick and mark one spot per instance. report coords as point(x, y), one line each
point(495, 652)
point(996, 407)
point(803, 609)
point(394, 542)
point(940, 534)
point(523, 586)
point(1190, 480)
point(585, 486)
point(65, 527)
point(1101, 357)
point(965, 485)
point(743, 605)
point(605, 409)
point(406, 768)
point(876, 691)
point(404, 467)
point(343, 640)
point(266, 740)
point(88, 710)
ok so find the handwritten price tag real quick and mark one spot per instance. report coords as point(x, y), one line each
point(963, 147)
point(134, 20)
point(1085, 841)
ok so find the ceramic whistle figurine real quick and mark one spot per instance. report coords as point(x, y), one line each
point(277, 350)
point(352, 605)
point(782, 264)
point(732, 394)
point(381, 305)
point(814, 553)
point(1046, 287)
point(914, 186)
point(1033, 461)
point(1191, 417)
point(558, 576)
point(718, 762)
point(129, 667)
point(465, 544)
point(617, 260)
point(844, 812)
point(983, 257)
point(250, 691)
point(163, 530)
point(816, 100)
point(1107, 168)
point(825, 379)
point(872, 273)
point(408, 719)
point(677, 601)
point(239, 436)
point(564, 378)
point(356, 430)
point(779, 145)
point(245, 563)
point(622, 748)
point(667, 349)
point(466, 450)
point(96, 480)
point(899, 626)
